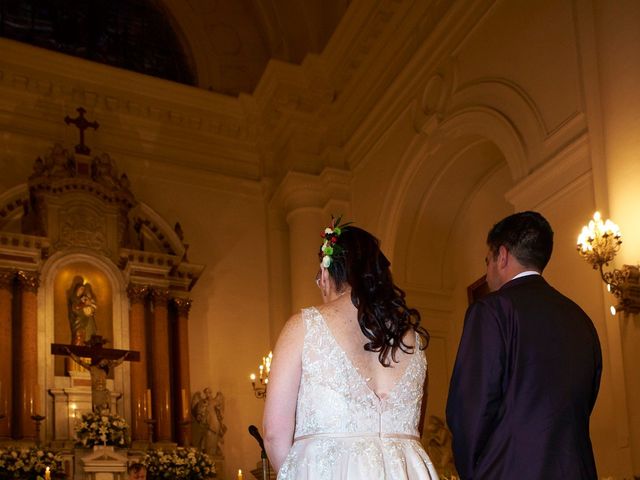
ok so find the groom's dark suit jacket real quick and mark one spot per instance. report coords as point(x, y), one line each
point(524, 383)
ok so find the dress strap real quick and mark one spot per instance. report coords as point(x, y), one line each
point(403, 436)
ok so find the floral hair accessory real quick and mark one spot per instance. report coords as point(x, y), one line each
point(330, 236)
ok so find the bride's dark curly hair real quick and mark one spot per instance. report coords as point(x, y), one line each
point(383, 314)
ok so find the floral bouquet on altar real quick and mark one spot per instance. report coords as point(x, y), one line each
point(102, 429)
point(29, 463)
point(183, 463)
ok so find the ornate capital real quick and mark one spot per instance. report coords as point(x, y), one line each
point(6, 279)
point(183, 305)
point(160, 297)
point(29, 281)
point(137, 293)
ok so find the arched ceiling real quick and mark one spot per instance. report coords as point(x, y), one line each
point(232, 41)
point(219, 45)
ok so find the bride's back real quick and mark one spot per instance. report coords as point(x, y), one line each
point(341, 318)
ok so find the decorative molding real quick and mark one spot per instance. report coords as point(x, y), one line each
point(183, 305)
point(190, 108)
point(159, 297)
point(438, 32)
point(19, 251)
point(137, 293)
point(82, 227)
point(559, 172)
point(166, 237)
point(29, 281)
point(6, 279)
point(163, 122)
point(302, 190)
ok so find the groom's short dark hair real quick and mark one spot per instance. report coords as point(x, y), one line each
point(527, 236)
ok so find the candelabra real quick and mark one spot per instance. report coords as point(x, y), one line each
point(37, 418)
point(598, 244)
point(260, 390)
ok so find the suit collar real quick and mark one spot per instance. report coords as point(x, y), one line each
point(521, 280)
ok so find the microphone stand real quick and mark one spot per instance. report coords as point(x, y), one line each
point(253, 430)
point(265, 465)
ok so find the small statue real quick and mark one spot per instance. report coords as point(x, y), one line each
point(208, 427)
point(38, 168)
point(59, 162)
point(139, 236)
point(104, 171)
point(125, 183)
point(82, 308)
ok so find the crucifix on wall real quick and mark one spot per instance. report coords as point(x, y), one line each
point(99, 361)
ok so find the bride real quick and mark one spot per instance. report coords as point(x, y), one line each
point(347, 377)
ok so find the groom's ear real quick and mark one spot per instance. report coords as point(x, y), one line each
point(503, 257)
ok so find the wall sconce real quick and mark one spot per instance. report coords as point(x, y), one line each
point(260, 391)
point(598, 244)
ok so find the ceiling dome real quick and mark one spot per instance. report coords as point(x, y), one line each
point(222, 46)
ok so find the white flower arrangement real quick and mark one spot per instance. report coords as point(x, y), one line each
point(29, 463)
point(102, 429)
point(183, 463)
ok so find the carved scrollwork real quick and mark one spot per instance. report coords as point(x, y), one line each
point(160, 297)
point(57, 164)
point(183, 305)
point(137, 293)
point(82, 227)
point(29, 281)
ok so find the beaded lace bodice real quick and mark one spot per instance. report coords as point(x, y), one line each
point(335, 398)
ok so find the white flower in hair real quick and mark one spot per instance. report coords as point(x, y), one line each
point(330, 245)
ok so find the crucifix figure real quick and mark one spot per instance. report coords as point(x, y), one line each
point(101, 362)
point(82, 124)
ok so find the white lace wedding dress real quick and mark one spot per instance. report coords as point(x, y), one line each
point(343, 430)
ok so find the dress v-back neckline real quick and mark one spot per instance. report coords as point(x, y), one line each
point(351, 365)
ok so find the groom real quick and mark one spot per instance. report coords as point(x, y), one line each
point(528, 368)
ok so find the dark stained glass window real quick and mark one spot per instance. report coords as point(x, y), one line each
point(131, 34)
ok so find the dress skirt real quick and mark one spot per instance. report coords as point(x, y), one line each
point(357, 458)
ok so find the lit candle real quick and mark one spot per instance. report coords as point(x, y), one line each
point(149, 408)
point(240, 477)
point(47, 474)
point(185, 405)
point(252, 377)
point(261, 369)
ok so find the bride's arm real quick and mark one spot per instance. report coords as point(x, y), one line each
point(280, 408)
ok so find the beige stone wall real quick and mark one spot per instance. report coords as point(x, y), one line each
point(424, 122)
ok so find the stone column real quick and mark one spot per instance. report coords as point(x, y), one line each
point(6, 358)
point(137, 342)
point(26, 395)
point(183, 390)
point(307, 202)
point(160, 374)
point(305, 226)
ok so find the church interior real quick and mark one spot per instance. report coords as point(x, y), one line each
point(167, 167)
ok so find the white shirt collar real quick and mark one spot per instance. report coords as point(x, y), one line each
point(525, 274)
